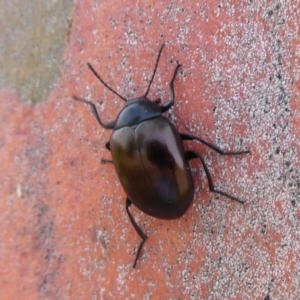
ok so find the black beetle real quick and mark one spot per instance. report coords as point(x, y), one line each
point(149, 156)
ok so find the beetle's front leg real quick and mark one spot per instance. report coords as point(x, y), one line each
point(137, 229)
point(109, 125)
point(170, 103)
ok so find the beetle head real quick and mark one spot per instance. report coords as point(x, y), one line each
point(136, 111)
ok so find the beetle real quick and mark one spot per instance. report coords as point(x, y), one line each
point(149, 156)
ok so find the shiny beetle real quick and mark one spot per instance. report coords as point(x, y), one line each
point(149, 156)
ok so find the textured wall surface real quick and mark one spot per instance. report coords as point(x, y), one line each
point(33, 38)
point(64, 229)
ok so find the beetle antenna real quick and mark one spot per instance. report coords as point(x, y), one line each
point(157, 60)
point(105, 84)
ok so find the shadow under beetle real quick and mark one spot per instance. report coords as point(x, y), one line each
point(149, 156)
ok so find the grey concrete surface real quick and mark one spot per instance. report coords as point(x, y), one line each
point(33, 38)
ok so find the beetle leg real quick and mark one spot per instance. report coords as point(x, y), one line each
point(137, 229)
point(103, 160)
point(186, 136)
point(170, 103)
point(109, 125)
point(107, 145)
point(192, 155)
point(106, 161)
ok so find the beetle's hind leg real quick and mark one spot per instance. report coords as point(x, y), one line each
point(137, 229)
point(192, 155)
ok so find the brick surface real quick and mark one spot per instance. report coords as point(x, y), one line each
point(64, 229)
